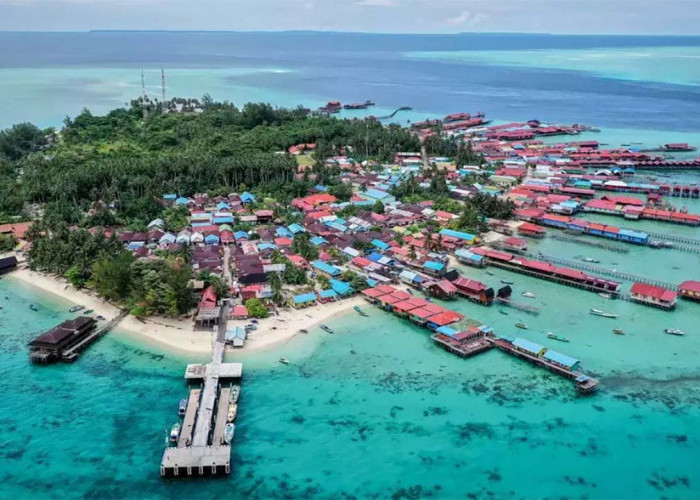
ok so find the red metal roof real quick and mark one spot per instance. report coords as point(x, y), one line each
point(690, 286)
point(652, 291)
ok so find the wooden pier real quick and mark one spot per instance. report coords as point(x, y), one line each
point(582, 266)
point(200, 448)
point(71, 354)
point(518, 305)
point(584, 383)
point(675, 238)
point(549, 277)
point(66, 341)
point(590, 243)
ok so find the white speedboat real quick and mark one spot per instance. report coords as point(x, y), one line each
point(605, 295)
point(674, 331)
point(235, 393)
point(529, 295)
point(228, 433)
point(598, 312)
point(174, 433)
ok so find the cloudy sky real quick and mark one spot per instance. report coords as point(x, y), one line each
point(394, 16)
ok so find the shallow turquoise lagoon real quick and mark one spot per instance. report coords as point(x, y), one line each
point(373, 411)
point(674, 65)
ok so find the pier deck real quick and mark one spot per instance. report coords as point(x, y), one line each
point(221, 415)
point(199, 452)
point(189, 420)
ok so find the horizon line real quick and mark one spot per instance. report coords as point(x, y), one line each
point(349, 32)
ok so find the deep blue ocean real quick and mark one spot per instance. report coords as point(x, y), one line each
point(632, 82)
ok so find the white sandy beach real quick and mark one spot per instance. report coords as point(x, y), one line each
point(179, 335)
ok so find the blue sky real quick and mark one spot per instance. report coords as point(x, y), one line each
point(394, 16)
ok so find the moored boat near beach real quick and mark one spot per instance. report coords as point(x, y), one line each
point(598, 312)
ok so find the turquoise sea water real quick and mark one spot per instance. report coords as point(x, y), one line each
point(678, 65)
point(376, 410)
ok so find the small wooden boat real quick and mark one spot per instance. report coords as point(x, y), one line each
point(598, 312)
point(674, 331)
point(99, 317)
point(489, 273)
point(557, 337)
point(284, 361)
point(174, 433)
point(33, 307)
point(503, 311)
point(89, 311)
point(520, 325)
point(605, 295)
point(229, 431)
point(591, 259)
point(506, 282)
point(232, 411)
point(76, 309)
point(303, 331)
point(529, 295)
point(618, 331)
point(182, 407)
point(326, 328)
point(235, 393)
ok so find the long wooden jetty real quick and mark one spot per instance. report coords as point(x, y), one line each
point(67, 340)
point(590, 243)
point(200, 448)
point(675, 238)
point(530, 309)
point(582, 266)
point(584, 383)
point(72, 353)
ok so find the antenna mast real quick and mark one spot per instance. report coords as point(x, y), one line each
point(143, 97)
point(162, 85)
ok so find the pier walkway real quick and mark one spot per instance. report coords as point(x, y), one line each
point(200, 450)
point(584, 383)
point(582, 266)
point(72, 353)
point(590, 243)
point(675, 238)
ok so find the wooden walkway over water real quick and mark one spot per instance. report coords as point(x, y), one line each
point(200, 449)
point(583, 266)
point(72, 353)
point(675, 238)
point(591, 243)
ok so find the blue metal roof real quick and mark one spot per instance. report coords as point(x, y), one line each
point(466, 254)
point(446, 330)
point(222, 205)
point(380, 244)
point(266, 246)
point(304, 298)
point(374, 257)
point(169, 196)
point(181, 201)
point(240, 235)
point(318, 240)
point(326, 268)
point(375, 194)
point(328, 294)
point(223, 220)
point(319, 187)
point(528, 346)
point(212, 238)
point(371, 282)
point(560, 358)
point(246, 197)
point(436, 266)
point(457, 234)
point(341, 287)
point(295, 228)
point(283, 232)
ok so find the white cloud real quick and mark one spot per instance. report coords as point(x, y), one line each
point(459, 19)
point(376, 3)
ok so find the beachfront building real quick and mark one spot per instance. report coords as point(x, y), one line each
point(51, 345)
point(8, 264)
point(304, 300)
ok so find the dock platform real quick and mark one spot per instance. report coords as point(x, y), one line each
point(199, 449)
